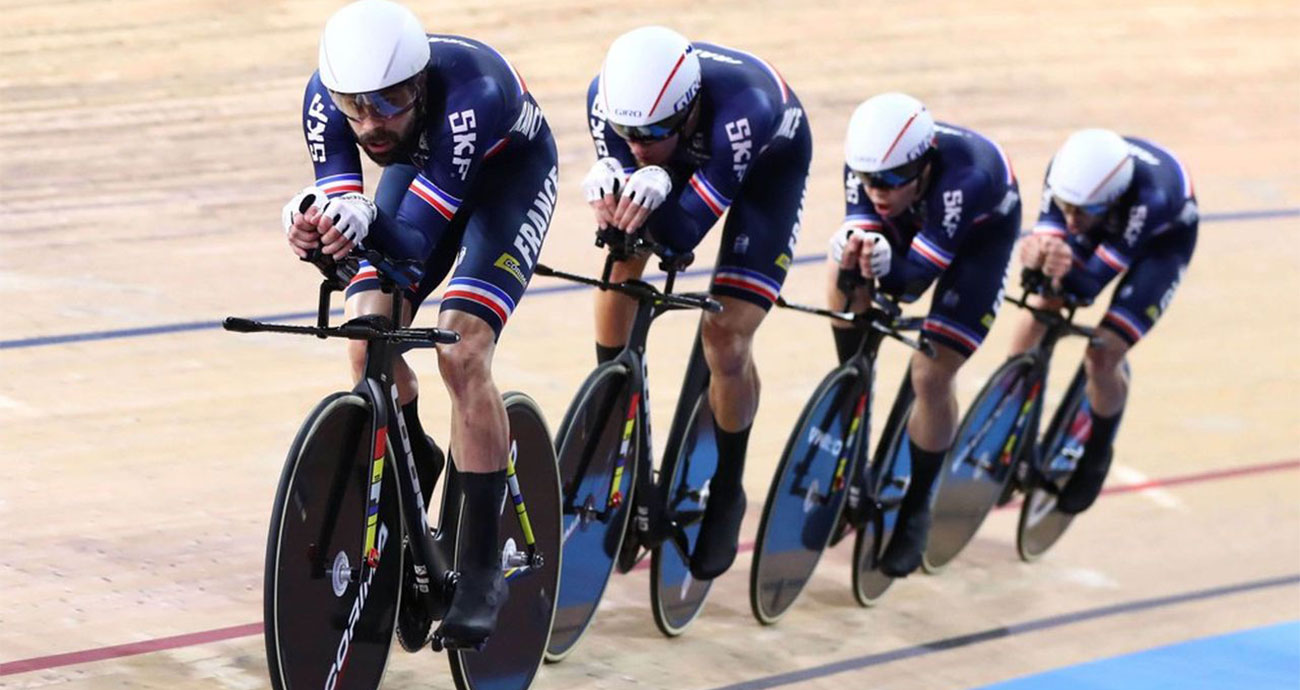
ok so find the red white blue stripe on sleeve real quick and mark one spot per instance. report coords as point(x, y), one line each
point(482, 293)
point(496, 148)
point(1044, 227)
point(1125, 322)
point(953, 331)
point(930, 252)
point(442, 202)
point(334, 185)
point(708, 194)
point(1112, 258)
point(861, 221)
point(748, 280)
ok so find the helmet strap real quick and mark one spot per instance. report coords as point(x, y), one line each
point(692, 119)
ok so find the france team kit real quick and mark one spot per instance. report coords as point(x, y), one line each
point(1149, 234)
point(749, 153)
point(961, 231)
point(478, 192)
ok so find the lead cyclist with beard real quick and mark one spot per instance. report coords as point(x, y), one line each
point(468, 183)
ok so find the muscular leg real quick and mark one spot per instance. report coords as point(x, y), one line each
point(934, 416)
point(728, 348)
point(733, 395)
point(429, 458)
point(1107, 389)
point(1107, 386)
point(479, 435)
point(931, 427)
point(369, 303)
point(478, 426)
point(1028, 331)
point(615, 311)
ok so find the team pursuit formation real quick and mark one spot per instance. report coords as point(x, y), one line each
point(509, 569)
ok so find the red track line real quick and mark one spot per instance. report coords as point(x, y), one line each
point(1205, 476)
point(236, 631)
point(129, 649)
point(1212, 475)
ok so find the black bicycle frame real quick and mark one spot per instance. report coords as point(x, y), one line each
point(651, 304)
point(1058, 326)
point(379, 388)
point(881, 319)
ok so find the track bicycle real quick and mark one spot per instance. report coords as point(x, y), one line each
point(351, 555)
point(617, 507)
point(826, 481)
point(997, 451)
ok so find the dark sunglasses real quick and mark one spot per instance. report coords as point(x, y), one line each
point(1087, 210)
point(655, 131)
point(895, 177)
point(384, 104)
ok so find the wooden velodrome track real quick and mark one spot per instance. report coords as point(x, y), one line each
point(146, 148)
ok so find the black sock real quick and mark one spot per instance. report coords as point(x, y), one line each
point(422, 447)
point(1102, 434)
point(483, 494)
point(731, 457)
point(925, 467)
point(414, 430)
point(847, 341)
point(605, 353)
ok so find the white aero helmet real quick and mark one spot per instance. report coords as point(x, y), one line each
point(371, 45)
point(648, 82)
point(1091, 170)
point(888, 139)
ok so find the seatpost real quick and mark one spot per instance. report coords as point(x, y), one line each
point(672, 275)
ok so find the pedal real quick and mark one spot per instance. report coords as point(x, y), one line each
point(887, 504)
point(686, 518)
point(440, 644)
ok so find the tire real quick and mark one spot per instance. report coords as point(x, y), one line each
point(595, 427)
point(976, 470)
point(1040, 524)
point(807, 493)
point(514, 652)
point(676, 597)
point(316, 535)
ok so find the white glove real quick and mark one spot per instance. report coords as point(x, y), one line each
point(308, 197)
point(606, 178)
point(648, 187)
point(881, 253)
point(352, 213)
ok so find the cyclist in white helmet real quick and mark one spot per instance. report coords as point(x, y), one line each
point(683, 132)
point(469, 172)
point(1111, 205)
point(924, 201)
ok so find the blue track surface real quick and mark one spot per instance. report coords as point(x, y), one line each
point(1261, 659)
point(45, 341)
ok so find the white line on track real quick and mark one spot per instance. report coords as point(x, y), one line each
point(1161, 497)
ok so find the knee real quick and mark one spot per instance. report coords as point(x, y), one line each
point(467, 364)
point(726, 348)
point(932, 378)
point(357, 358)
point(1105, 358)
